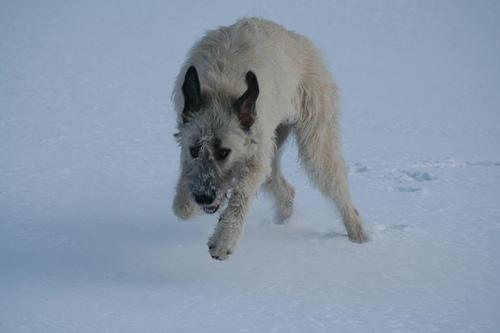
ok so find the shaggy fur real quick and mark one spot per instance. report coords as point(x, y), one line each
point(215, 99)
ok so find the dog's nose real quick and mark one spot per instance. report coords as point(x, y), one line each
point(204, 199)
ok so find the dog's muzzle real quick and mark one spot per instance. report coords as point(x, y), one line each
point(210, 209)
point(208, 203)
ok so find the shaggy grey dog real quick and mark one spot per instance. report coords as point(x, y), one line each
point(242, 90)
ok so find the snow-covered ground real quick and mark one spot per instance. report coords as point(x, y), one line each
point(88, 242)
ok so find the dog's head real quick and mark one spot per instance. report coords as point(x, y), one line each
point(215, 138)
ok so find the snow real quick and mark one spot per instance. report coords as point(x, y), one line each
point(88, 241)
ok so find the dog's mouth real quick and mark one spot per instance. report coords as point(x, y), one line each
point(210, 209)
point(218, 203)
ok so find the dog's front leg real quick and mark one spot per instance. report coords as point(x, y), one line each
point(230, 226)
point(183, 204)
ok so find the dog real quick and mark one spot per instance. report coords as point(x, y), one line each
point(242, 90)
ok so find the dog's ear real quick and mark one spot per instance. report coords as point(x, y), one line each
point(192, 93)
point(245, 105)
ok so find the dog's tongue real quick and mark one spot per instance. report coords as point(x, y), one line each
point(210, 209)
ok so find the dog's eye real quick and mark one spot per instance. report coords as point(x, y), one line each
point(195, 150)
point(222, 153)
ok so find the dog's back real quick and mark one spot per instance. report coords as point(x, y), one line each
point(281, 59)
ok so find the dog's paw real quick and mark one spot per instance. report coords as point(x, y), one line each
point(284, 212)
point(185, 209)
point(222, 243)
point(360, 238)
point(355, 230)
point(358, 235)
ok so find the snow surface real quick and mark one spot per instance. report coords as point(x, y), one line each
point(88, 241)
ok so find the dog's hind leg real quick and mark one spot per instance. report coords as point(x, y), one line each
point(281, 190)
point(319, 144)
